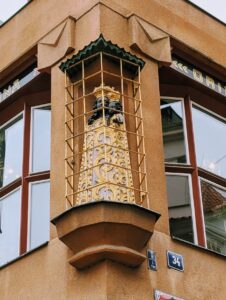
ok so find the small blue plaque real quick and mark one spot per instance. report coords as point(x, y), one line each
point(175, 261)
point(152, 262)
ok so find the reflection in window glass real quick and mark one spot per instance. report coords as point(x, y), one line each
point(214, 206)
point(180, 213)
point(11, 147)
point(40, 139)
point(210, 142)
point(9, 227)
point(39, 213)
point(173, 131)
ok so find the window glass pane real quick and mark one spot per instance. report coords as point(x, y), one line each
point(11, 150)
point(10, 207)
point(214, 206)
point(39, 213)
point(173, 131)
point(180, 213)
point(210, 142)
point(40, 139)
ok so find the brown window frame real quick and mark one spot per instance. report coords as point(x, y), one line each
point(23, 103)
point(191, 95)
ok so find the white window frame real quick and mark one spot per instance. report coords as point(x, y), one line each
point(29, 215)
point(191, 202)
point(4, 125)
point(32, 134)
point(184, 129)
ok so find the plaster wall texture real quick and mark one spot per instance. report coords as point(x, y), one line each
point(46, 272)
point(57, 205)
point(153, 144)
point(179, 19)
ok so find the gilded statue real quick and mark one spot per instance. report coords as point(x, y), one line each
point(105, 172)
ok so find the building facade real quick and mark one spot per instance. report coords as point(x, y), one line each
point(112, 151)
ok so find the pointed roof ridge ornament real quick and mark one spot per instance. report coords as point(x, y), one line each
point(100, 45)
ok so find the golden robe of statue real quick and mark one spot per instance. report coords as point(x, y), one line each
point(105, 172)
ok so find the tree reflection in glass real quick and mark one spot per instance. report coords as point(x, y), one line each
point(173, 131)
point(214, 207)
point(11, 146)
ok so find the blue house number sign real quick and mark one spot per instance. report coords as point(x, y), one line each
point(175, 261)
point(152, 262)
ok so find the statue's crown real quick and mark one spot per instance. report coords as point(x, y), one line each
point(107, 91)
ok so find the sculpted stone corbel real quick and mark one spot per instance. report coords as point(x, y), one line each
point(150, 40)
point(56, 44)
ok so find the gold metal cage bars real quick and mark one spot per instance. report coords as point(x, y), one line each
point(104, 140)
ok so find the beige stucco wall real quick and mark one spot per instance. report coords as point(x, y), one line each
point(179, 19)
point(45, 273)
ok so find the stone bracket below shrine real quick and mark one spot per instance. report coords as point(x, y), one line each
point(106, 230)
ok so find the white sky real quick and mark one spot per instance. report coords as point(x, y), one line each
point(215, 7)
point(9, 7)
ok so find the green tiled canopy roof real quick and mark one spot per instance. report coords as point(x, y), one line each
point(99, 45)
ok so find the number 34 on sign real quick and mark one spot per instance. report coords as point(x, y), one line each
point(175, 261)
